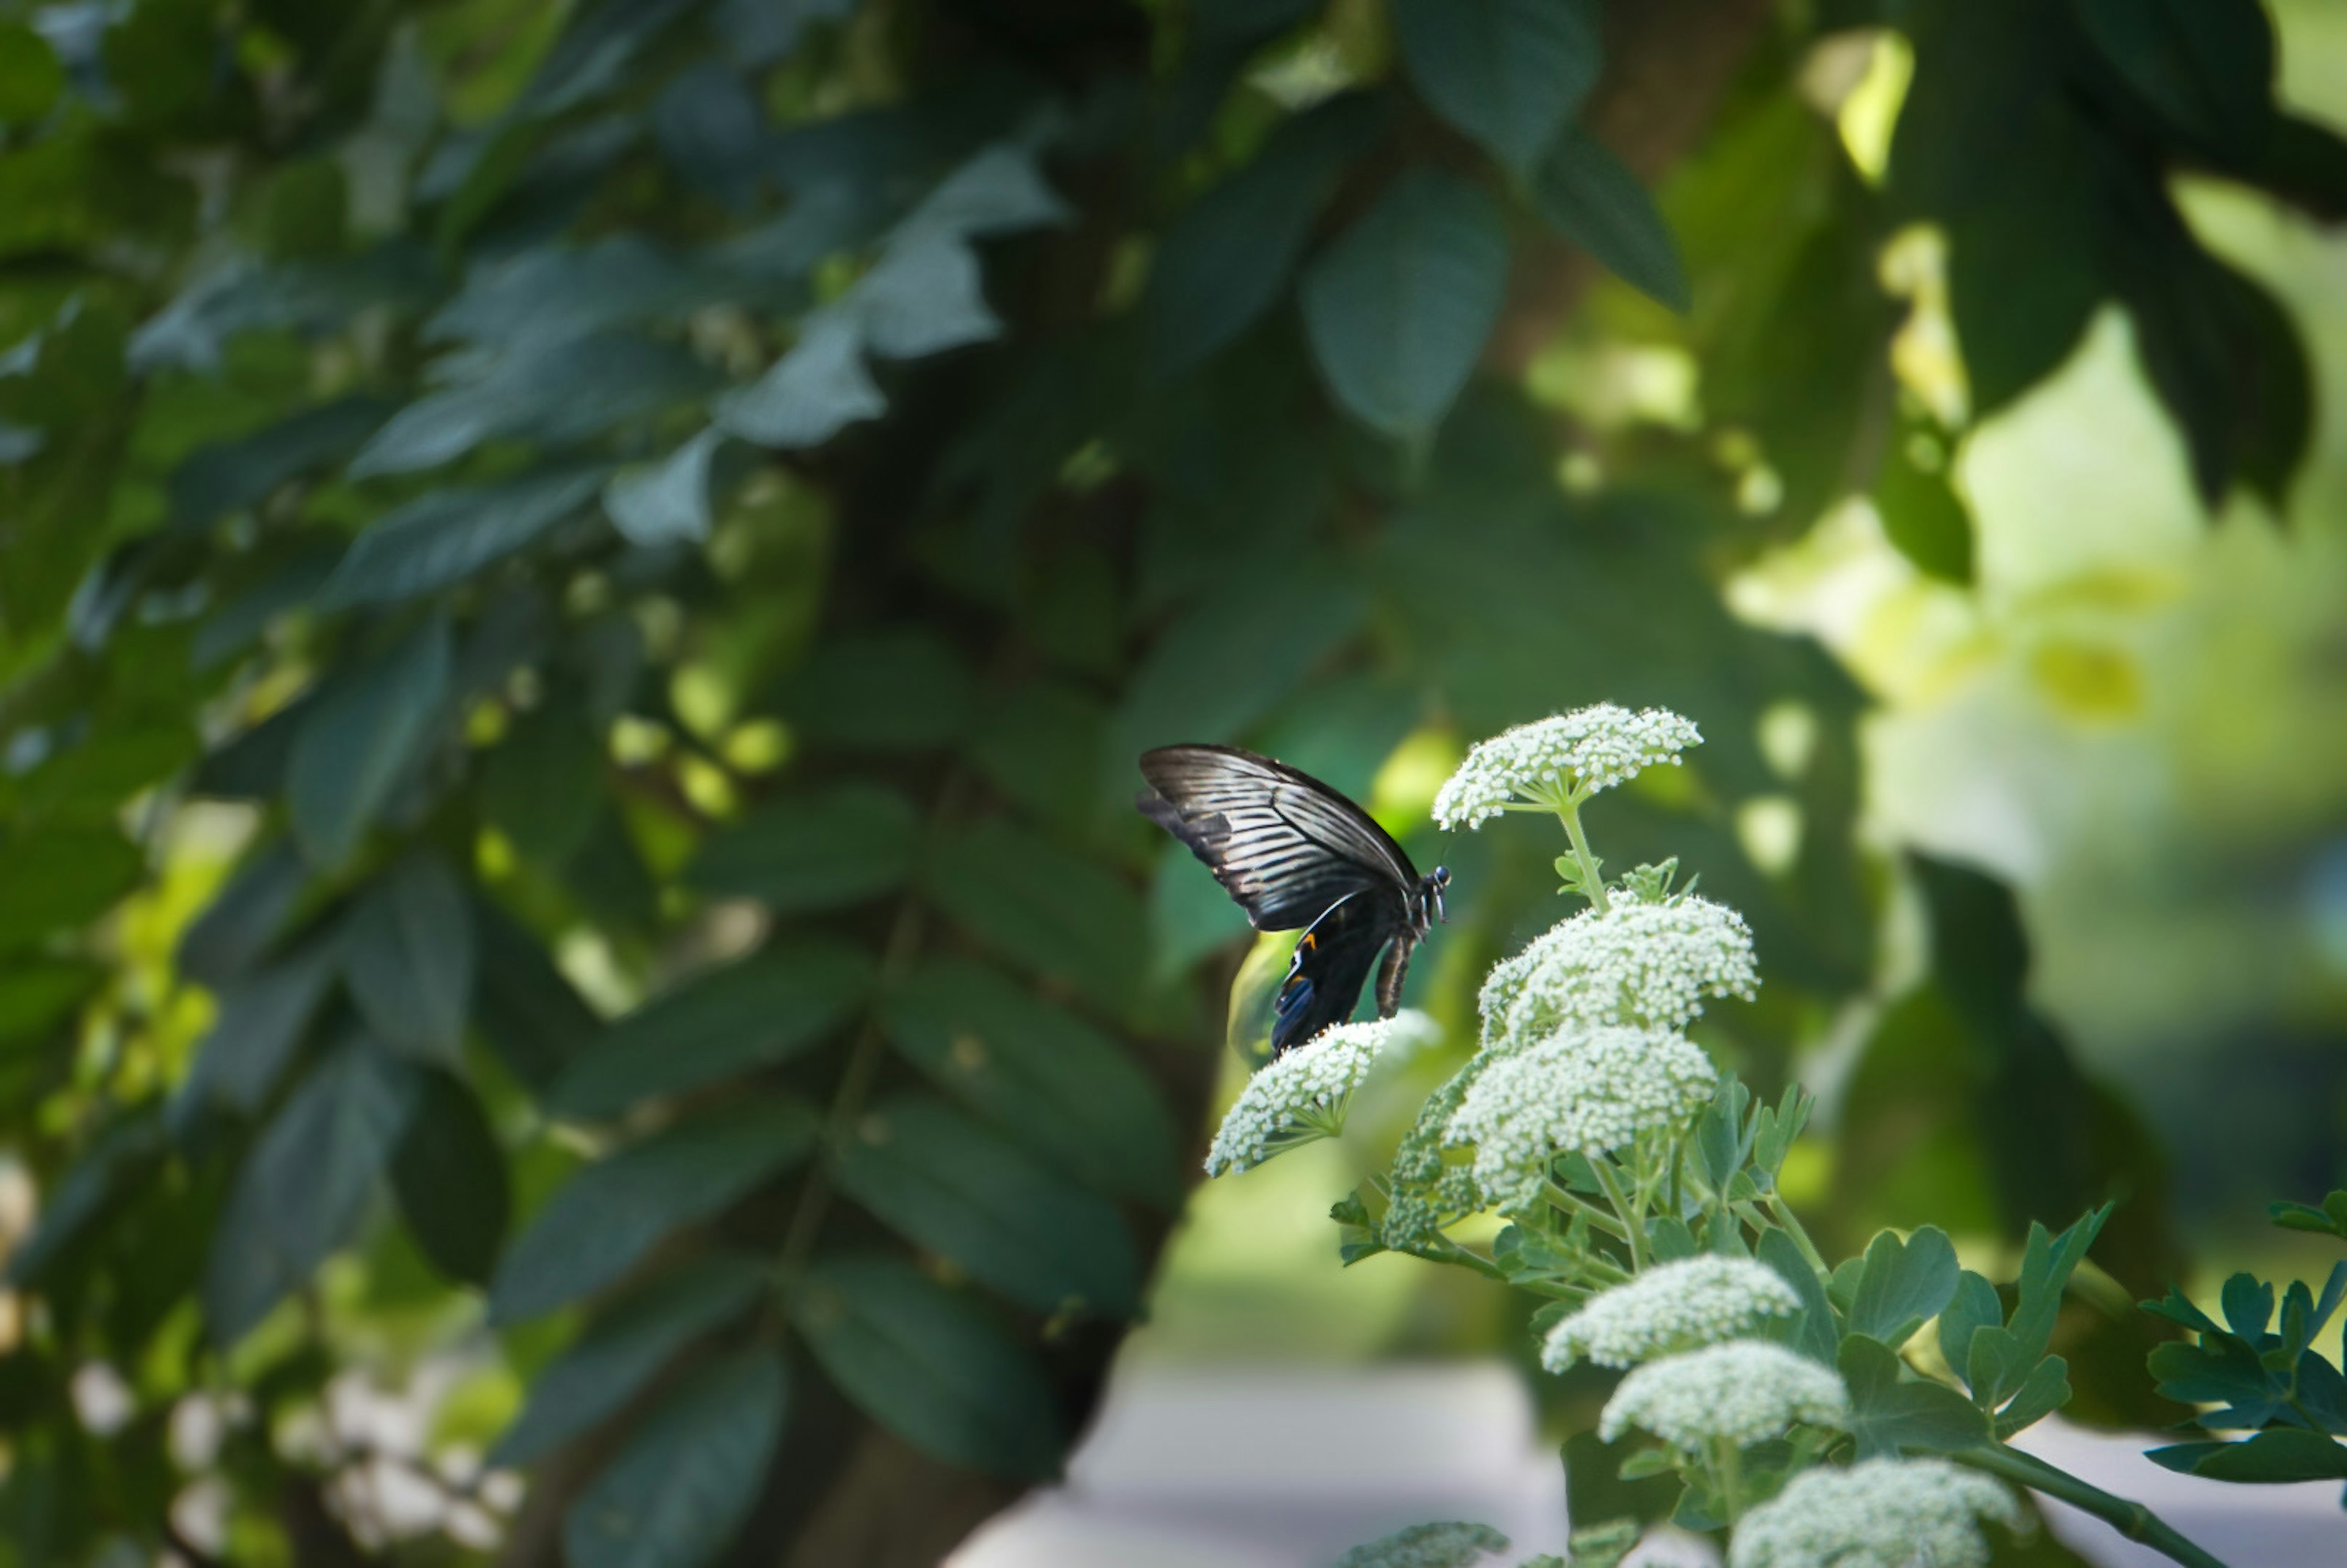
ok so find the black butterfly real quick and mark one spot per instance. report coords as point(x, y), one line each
point(1293, 852)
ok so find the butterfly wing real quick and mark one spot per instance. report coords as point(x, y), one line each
point(1331, 963)
point(1283, 844)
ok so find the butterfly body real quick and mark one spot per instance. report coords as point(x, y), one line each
point(1294, 853)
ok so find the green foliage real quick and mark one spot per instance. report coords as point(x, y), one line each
point(695, 504)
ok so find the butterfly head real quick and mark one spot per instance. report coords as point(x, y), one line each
point(1429, 907)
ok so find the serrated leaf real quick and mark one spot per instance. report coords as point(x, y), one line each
point(1903, 1285)
point(668, 501)
point(359, 739)
point(450, 1174)
point(925, 294)
point(1222, 263)
point(1893, 1414)
point(1509, 72)
point(245, 918)
point(236, 475)
point(1588, 195)
point(1398, 306)
point(966, 1194)
point(446, 535)
point(407, 956)
point(749, 1014)
point(529, 1014)
point(1066, 1089)
point(687, 1477)
point(611, 1212)
point(306, 1183)
point(816, 850)
point(928, 1365)
point(631, 1341)
point(1059, 913)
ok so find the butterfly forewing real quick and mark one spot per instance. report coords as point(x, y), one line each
point(1285, 845)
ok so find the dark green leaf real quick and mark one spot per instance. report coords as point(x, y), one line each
point(668, 501)
point(925, 294)
point(2273, 1457)
point(1589, 196)
point(1065, 1088)
point(122, 1155)
point(2248, 1302)
point(1814, 1332)
point(446, 535)
point(1398, 306)
point(634, 1337)
point(1922, 514)
point(450, 1176)
point(1221, 266)
point(673, 1497)
point(1893, 1413)
point(1997, 1363)
point(30, 77)
point(1053, 911)
point(358, 740)
point(543, 784)
point(238, 476)
point(408, 958)
point(261, 1020)
point(558, 393)
point(245, 918)
point(2330, 1219)
point(967, 1195)
point(1904, 1284)
point(928, 1365)
point(611, 1212)
point(60, 878)
point(2178, 1307)
point(1509, 72)
point(306, 1183)
point(2047, 1264)
point(527, 1012)
point(1226, 663)
point(812, 393)
point(2045, 1390)
point(2208, 65)
point(819, 850)
point(1044, 748)
point(36, 994)
point(2220, 1370)
point(1974, 1305)
point(891, 691)
point(748, 1015)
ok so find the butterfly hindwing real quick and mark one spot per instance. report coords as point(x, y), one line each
point(1331, 964)
point(1285, 845)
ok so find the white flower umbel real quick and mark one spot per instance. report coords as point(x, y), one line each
point(1569, 757)
point(1671, 1308)
point(1304, 1094)
point(1443, 1545)
point(1582, 1090)
point(1743, 1392)
point(1650, 965)
point(1879, 1514)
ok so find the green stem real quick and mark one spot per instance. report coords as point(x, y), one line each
point(2132, 1520)
point(1573, 1202)
point(1633, 1233)
point(1569, 813)
point(1728, 1468)
point(1791, 1224)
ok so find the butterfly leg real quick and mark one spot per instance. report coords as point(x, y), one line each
point(1391, 973)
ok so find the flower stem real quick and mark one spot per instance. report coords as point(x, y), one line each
point(2132, 1520)
point(1573, 1202)
point(1633, 1232)
point(1728, 1468)
point(1569, 813)
point(1790, 1224)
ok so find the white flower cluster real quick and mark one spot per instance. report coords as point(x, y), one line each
point(1651, 965)
point(1672, 1306)
point(1572, 755)
point(1304, 1093)
point(1745, 1391)
point(1589, 1090)
point(1879, 1514)
point(1443, 1545)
